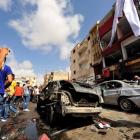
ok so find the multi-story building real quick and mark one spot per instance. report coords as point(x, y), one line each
point(74, 65)
point(96, 51)
point(81, 62)
point(56, 75)
point(93, 58)
point(122, 59)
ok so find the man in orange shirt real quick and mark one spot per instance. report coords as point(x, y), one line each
point(18, 93)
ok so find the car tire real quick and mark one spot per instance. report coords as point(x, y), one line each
point(126, 104)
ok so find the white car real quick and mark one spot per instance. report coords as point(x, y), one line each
point(117, 92)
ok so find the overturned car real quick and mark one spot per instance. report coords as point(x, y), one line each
point(63, 97)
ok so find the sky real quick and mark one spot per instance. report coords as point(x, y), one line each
point(41, 33)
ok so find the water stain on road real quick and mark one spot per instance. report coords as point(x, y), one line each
point(31, 129)
point(19, 130)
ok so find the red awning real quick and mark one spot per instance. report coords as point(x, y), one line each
point(106, 27)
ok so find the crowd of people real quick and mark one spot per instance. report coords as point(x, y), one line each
point(14, 96)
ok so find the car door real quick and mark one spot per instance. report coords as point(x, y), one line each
point(111, 92)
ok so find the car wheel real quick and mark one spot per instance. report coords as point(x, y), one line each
point(126, 104)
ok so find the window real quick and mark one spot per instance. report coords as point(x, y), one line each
point(103, 86)
point(133, 50)
point(74, 51)
point(74, 72)
point(66, 85)
point(80, 54)
point(113, 85)
point(73, 61)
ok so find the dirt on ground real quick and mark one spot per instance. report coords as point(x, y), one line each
point(30, 125)
point(124, 126)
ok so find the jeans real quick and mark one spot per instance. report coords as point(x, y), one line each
point(17, 101)
point(1, 105)
point(7, 107)
point(5, 110)
point(26, 100)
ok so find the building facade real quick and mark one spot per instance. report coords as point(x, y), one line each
point(81, 61)
point(93, 58)
point(57, 75)
point(122, 59)
point(96, 51)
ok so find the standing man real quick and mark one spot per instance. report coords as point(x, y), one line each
point(18, 96)
point(35, 94)
point(5, 80)
point(26, 96)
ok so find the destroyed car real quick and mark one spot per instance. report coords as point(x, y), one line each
point(117, 92)
point(63, 97)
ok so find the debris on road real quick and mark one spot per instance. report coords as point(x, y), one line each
point(100, 126)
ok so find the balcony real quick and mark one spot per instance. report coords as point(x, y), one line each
point(83, 46)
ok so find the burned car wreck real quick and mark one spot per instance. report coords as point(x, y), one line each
point(63, 97)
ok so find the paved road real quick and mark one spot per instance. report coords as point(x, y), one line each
point(29, 126)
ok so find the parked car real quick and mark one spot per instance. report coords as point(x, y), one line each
point(63, 97)
point(116, 92)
